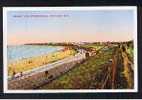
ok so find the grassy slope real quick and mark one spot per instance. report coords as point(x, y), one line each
point(82, 76)
point(97, 47)
point(130, 52)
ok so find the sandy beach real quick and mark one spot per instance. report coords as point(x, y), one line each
point(34, 62)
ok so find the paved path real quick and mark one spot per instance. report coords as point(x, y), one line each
point(47, 67)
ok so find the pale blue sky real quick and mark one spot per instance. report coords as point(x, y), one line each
point(76, 26)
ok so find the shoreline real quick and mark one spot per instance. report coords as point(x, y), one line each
point(37, 61)
point(22, 58)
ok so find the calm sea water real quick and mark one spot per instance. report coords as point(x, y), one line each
point(26, 51)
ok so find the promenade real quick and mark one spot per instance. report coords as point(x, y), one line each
point(44, 74)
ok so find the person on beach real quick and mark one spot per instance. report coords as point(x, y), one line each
point(46, 73)
point(14, 73)
point(21, 74)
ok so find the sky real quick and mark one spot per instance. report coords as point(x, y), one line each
point(69, 26)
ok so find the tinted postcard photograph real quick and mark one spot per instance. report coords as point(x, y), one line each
point(70, 49)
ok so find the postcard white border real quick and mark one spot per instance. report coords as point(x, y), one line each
point(104, 8)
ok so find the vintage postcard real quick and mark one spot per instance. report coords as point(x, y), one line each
point(70, 49)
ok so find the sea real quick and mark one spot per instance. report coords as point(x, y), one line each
point(18, 52)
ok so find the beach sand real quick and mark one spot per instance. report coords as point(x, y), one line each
point(34, 62)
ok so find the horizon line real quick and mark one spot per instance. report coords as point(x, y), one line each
point(70, 42)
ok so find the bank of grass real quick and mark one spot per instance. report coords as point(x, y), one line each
point(130, 52)
point(97, 47)
point(82, 75)
point(34, 62)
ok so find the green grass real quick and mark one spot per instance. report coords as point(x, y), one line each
point(81, 76)
point(97, 47)
point(130, 52)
